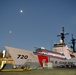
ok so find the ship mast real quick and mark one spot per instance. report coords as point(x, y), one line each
point(73, 43)
point(62, 35)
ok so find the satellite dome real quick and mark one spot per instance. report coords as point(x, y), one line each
point(42, 48)
point(61, 42)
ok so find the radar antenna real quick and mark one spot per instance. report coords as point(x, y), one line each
point(73, 43)
point(62, 34)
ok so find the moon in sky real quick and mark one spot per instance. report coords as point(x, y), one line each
point(21, 11)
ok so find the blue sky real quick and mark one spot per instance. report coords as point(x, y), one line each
point(38, 25)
